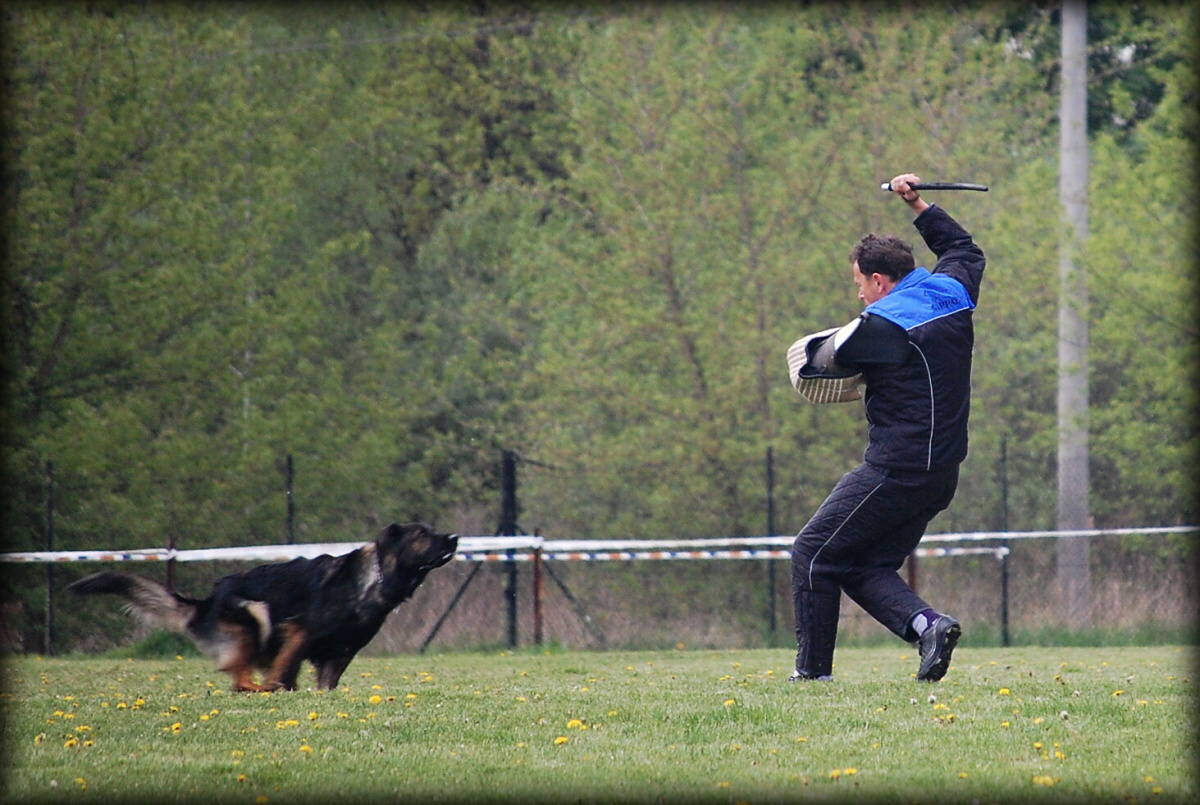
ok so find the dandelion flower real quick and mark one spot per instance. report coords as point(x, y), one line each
point(730, 702)
point(70, 743)
point(1005, 692)
point(376, 699)
point(560, 740)
point(241, 778)
point(835, 774)
point(723, 784)
point(305, 748)
point(574, 724)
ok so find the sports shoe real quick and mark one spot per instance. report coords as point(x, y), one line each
point(936, 646)
point(799, 677)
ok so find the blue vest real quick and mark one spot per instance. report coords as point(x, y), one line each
point(921, 297)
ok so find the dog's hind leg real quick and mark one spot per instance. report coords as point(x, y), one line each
point(286, 667)
point(234, 648)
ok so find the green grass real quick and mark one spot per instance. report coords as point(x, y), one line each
point(1006, 725)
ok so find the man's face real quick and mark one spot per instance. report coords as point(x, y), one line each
point(871, 288)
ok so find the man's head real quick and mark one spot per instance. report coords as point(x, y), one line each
point(877, 263)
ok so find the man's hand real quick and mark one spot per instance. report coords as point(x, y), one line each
point(901, 186)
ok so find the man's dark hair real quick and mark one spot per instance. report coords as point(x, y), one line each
point(883, 254)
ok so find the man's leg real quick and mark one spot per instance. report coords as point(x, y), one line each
point(904, 507)
point(818, 564)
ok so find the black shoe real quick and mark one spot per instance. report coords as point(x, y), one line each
point(797, 676)
point(936, 646)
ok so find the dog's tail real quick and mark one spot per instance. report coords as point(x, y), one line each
point(148, 600)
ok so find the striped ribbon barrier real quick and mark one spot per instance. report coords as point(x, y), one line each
point(527, 548)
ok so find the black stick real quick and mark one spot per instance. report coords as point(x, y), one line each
point(939, 186)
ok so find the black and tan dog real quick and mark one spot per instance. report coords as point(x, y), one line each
point(275, 616)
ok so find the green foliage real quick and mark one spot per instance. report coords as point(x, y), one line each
point(392, 241)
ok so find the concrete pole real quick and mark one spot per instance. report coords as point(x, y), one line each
point(1073, 476)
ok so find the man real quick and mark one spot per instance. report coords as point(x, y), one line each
point(911, 347)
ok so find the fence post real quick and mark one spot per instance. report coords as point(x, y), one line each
point(508, 528)
point(537, 595)
point(1004, 634)
point(48, 623)
point(772, 622)
point(289, 479)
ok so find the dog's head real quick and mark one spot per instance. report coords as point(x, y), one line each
point(414, 549)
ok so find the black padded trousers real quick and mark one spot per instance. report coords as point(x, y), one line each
point(856, 542)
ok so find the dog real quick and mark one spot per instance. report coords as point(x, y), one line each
point(274, 617)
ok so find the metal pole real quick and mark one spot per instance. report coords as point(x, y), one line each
point(537, 595)
point(772, 621)
point(1004, 633)
point(508, 527)
point(48, 623)
point(291, 502)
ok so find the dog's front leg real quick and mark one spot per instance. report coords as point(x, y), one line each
point(330, 671)
point(286, 667)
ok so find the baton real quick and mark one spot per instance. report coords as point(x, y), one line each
point(939, 186)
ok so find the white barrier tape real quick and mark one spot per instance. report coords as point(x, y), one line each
point(516, 549)
point(255, 553)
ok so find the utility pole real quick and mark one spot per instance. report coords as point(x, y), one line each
point(1073, 477)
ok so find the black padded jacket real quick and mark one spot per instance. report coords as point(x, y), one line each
point(918, 407)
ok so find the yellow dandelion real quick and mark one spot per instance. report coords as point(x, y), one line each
point(176, 727)
point(574, 724)
point(305, 748)
point(1044, 779)
point(1037, 744)
point(723, 784)
point(343, 715)
point(850, 771)
point(313, 716)
point(801, 740)
point(375, 699)
point(612, 713)
point(1005, 692)
point(70, 743)
point(1118, 692)
point(241, 778)
point(835, 774)
point(962, 775)
point(560, 740)
point(204, 718)
point(1005, 723)
point(730, 702)
point(39, 738)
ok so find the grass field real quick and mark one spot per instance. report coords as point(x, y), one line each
point(1006, 725)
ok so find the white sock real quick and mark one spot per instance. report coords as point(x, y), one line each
point(920, 623)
